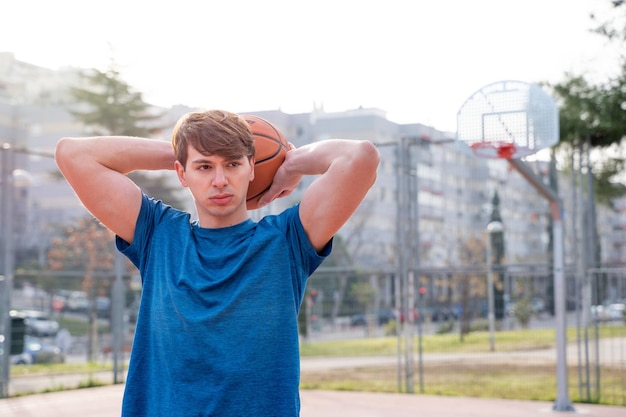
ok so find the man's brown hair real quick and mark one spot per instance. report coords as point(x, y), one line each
point(213, 132)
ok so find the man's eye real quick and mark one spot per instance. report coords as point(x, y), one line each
point(204, 167)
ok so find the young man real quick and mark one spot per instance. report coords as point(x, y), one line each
point(217, 330)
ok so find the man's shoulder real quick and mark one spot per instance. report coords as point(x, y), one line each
point(158, 211)
point(282, 219)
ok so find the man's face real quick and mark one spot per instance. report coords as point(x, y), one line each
point(219, 186)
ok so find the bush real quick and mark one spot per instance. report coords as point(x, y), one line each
point(480, 326)
point(391, 328)
point(522, 311)
point(446, 327)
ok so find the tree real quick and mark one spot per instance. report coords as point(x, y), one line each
point(109, 106)
point(472, 253)
point(595, 114)
point(340, 259)
point(523, 312)
point(365, 295)
point(346, 248)
point(86, 247)
point(112, 107)
point(593, 121)
point(497, 252)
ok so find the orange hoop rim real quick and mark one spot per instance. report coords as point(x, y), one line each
point(499, 150)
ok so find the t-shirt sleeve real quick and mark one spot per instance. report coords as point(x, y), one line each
point(143, 231)
point(301, 245)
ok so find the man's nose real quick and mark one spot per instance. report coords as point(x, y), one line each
point(220, 177)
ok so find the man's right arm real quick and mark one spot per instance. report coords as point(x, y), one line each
point(96, 169)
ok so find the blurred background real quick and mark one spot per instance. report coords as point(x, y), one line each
point(402, 304)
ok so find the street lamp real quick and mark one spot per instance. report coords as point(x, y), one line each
point(492, 228)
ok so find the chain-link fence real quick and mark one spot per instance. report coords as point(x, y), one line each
point(453, 350)
point(358, 332)
point(601, 336)
point(71, 331)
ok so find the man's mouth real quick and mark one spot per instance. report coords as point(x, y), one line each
point(221, 199)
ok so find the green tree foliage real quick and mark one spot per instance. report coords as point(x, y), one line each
point(109, 106)
point(595, 114)
point(497, 257)
point(591, 111)
point(112, 106)
point(365, 294)
point(523, 312)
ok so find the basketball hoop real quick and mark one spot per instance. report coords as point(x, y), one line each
point(508, 120)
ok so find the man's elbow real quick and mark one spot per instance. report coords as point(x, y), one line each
point(60, 148)
point(369, 158)
point(64, 151)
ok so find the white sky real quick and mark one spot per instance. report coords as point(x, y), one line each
point(416, 60)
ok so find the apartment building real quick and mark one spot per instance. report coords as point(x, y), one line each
point(450, 190)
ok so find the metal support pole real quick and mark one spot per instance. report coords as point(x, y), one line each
point(404, 198)
point(490, 296)
point(562, 402)
point(409, 332)
point(398, 303)
point(398, 280)
point(117, 318)
point(407, 232)
point(7, 281)
point(420, 324)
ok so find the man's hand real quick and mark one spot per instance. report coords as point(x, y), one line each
point(284, 182)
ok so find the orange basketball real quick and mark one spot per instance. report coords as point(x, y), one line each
point(270, 147)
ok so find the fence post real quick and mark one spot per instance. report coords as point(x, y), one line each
point(6, 281)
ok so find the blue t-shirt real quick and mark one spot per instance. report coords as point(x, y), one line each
point(217, 333)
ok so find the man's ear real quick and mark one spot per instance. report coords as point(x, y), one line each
point(251, 169)
point(180, 171)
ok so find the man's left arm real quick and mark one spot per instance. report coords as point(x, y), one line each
point(346, 169)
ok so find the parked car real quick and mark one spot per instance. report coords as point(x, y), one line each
point(442, 314)
point(617, 311)
point(537, 305)
point(39, 323)
point(358, 320)
point(383, 316)
point(103, 307)
point(23, 358)
point(133, 310)
point(77, 301)
point(609, 312)
point(42, 352)
point(36, 351)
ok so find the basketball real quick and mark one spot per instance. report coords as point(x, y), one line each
point(270, 147)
